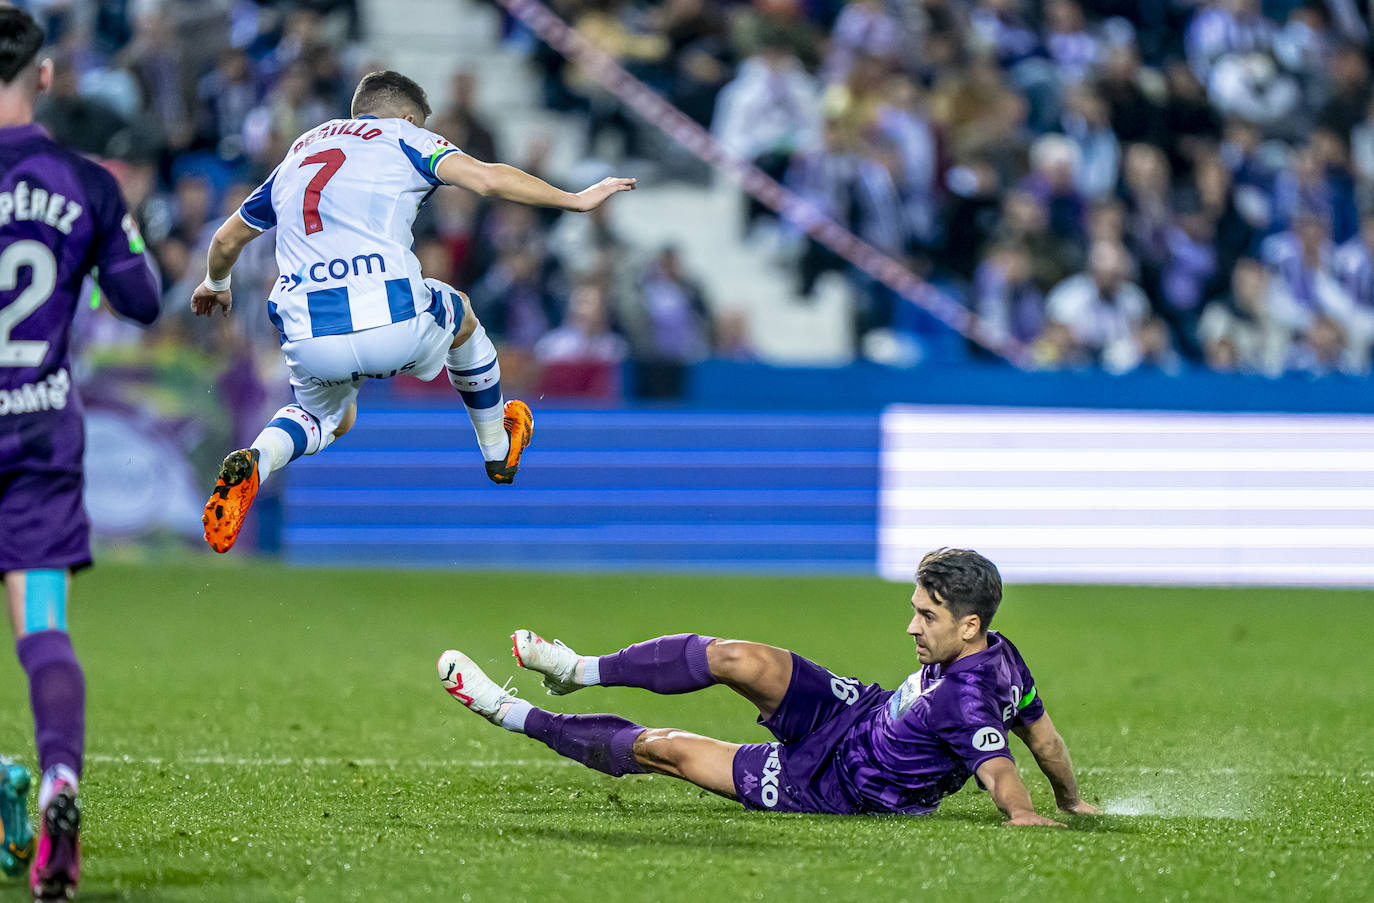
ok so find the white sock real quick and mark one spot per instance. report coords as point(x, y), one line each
point(51, 777)
point(475, 373)
point(274, 451)
point(290, 433)
point(588, 670)
point(513, 714)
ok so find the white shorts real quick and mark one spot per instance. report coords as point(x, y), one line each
point(327, 370)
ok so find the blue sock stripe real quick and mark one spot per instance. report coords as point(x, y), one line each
point(295, 431)
point(482, 369)
point(487, 398)
point(45, 600)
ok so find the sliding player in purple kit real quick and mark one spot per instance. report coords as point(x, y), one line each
point(843, 747)
point(60, 216)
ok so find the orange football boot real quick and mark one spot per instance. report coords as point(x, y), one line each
point(233, 496)
point(519, 423)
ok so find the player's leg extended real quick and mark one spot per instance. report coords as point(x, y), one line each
point(291, 432)
point(503, 430)
point(607, 743)
point(37, 604)
point(324, 411)
point(680, 663)
point(705, 761)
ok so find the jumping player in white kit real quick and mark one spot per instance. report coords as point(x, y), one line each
point(351, 303)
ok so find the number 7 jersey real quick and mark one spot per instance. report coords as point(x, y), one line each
point(343, 202)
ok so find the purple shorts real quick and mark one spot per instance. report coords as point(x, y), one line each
point(45, 522)
point(817, 711)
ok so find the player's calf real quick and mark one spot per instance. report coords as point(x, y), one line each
point(666, 664)
point(504, 429)
point(704, 761)
point(292, 432)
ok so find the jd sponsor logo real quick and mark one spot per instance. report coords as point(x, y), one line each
point(988, 739)
point(772, 768)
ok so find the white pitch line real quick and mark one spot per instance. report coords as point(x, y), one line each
point(1146, 770)
point(287, 762)
point(307, 761)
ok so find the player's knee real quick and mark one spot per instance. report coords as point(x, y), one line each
point(658, 748)
point(346, 423)
point(37, 600)
point(467, 326)
point(739, 662)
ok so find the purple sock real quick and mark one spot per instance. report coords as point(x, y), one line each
point(57, 692)
point(669, 664)
point(603, 742)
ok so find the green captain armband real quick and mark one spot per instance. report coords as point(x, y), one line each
point(1026, 700)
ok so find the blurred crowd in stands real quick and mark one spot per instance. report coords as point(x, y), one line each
point(1113, 183)
point(192, 103)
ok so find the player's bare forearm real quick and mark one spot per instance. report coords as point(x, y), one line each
point(1009, 793)
point(511, 184)
point(229, 241)
point(1052, 755)
point(508, 183)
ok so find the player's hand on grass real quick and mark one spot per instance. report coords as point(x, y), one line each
point(591, 198)
point(1031, 818)
point(1079, 807)
point(205, 301)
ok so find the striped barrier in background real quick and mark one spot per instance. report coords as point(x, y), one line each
point(1051, 496)
point(597, 490)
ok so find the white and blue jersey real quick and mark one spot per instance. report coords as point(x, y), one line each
point(343, 202)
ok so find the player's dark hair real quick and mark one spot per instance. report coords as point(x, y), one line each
point(390, 92)
point(963, 581)
point(20, 41)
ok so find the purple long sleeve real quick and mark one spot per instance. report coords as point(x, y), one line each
point(132, 290)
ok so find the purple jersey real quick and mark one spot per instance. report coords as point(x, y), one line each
point(60, 216)
point(934, 731)
point(848, 747)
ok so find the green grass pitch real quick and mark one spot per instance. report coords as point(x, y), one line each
point(260, 734)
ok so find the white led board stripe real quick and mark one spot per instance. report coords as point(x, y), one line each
point(1069, 496)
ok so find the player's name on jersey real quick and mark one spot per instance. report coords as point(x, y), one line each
point(363, 129)
point(44, 395)
point(34, 204)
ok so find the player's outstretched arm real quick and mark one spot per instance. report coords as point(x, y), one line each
point(511, 184)
point(1009, 793)
point(1052, 755)
point(229, 241)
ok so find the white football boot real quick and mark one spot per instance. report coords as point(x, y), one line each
point(468, 684)
point(554, 660)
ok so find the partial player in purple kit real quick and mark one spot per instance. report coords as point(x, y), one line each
point(843, 746)
point(61, 217)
